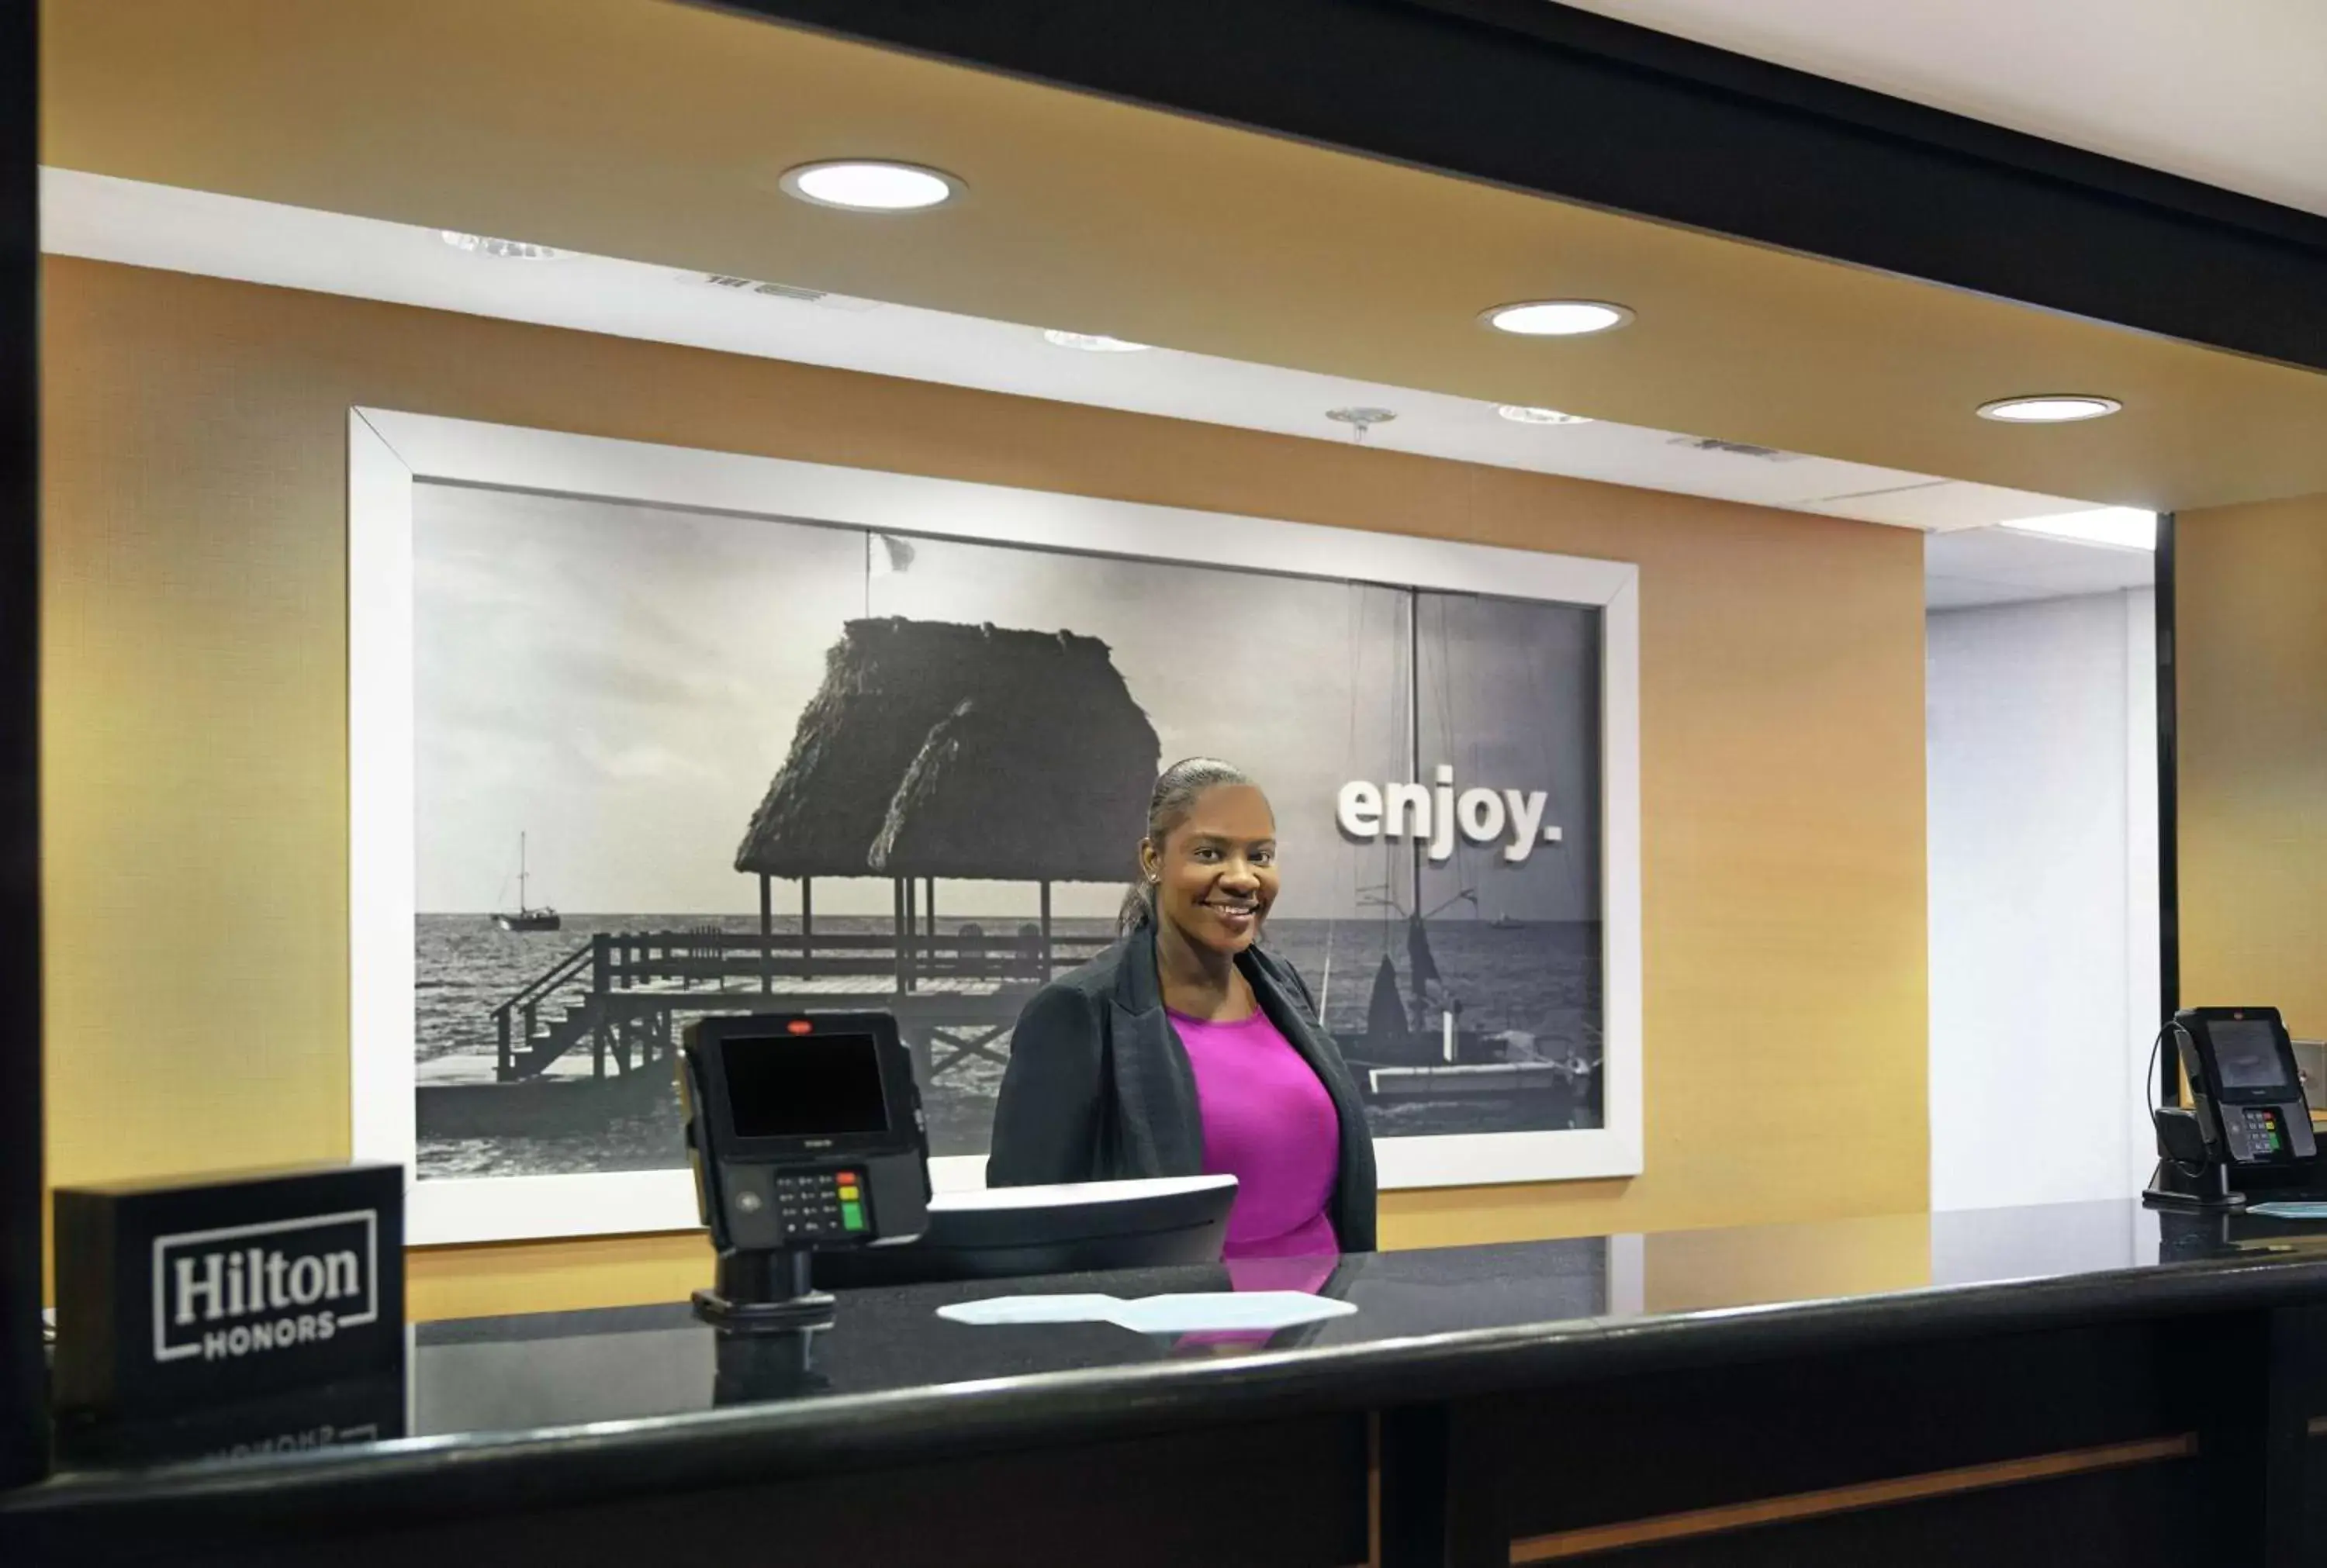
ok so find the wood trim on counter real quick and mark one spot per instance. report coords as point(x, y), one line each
point(1695, 1522)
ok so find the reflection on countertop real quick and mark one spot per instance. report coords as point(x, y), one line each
point(645, 1373)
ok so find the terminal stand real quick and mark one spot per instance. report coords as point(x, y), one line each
point(764, 1291)
point(2172, 1186)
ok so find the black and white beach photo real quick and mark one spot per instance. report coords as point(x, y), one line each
point(671, 763)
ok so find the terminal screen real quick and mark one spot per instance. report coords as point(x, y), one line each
point(808, 1085)
point(2246, 1054)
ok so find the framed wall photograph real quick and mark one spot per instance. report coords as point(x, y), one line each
point(640, 734)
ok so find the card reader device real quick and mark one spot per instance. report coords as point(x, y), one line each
point(805, 1133)
point(2246, 1111)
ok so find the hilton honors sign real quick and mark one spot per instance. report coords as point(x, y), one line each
point(229, 1288)
point(265, 1287)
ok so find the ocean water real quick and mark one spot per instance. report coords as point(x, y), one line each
point(1541, 979)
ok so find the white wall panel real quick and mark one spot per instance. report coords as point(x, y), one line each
point(2043, 813)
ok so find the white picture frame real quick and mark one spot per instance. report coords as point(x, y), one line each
point(389, 451)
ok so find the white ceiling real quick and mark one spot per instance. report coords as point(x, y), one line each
point(2006, 567)
point(1968, 562)
point(147, 225)
point(2231, 92)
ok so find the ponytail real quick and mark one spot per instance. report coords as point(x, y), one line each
point(1138, 908)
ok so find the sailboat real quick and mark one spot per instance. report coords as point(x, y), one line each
point(1404, 1032)
point(527, 917)
point(1416, 1045)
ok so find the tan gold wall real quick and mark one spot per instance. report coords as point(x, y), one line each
point(196, 727)
point(2250, 610)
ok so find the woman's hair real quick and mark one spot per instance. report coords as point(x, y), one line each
point(1174, 796)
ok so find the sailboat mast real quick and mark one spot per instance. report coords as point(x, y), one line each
point(523, 902)
point(1414, 718)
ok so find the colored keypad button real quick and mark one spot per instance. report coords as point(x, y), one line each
point(851, 1216)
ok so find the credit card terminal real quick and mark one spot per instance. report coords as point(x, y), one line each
point(2245, 1097)
point(805, 1133)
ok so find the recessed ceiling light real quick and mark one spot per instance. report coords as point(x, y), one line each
point(2128, 527)
point(862, 185)
point(1557, 318)
point(1093, 342)
point(1519, 415)
point(505, 249)
point(1361, 420)
point(2050, 408)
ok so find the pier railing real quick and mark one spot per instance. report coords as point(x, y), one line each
point(732, 965)
point(717, 959)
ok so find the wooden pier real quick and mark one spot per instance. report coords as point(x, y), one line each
point(618, 996)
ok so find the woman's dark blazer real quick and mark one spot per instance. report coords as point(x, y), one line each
point(1099, 1089)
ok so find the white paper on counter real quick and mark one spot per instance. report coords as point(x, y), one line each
point(1190, 1312)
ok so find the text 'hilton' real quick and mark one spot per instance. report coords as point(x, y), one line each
point(264, 1287)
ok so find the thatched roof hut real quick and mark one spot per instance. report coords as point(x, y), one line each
point(940, 750)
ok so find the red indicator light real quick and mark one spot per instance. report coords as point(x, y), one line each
point(798, 1026)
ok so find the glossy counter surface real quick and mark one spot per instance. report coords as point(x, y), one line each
point(580, 1404)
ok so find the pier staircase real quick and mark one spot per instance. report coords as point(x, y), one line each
point(567, 1029)
point(562, 1008)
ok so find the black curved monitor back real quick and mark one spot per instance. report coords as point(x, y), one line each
point(1011, 1232)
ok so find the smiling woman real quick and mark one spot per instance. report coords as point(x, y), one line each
point(1185, 1049)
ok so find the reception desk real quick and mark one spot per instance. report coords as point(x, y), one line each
point(2088, 1383)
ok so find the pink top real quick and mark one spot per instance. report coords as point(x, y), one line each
point(1269, 1123)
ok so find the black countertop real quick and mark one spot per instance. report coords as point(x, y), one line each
point(537, 1408)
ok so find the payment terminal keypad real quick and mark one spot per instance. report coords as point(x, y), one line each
point(827, 1205)
point(2266, 1136)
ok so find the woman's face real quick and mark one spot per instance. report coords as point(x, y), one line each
point(1215, 874)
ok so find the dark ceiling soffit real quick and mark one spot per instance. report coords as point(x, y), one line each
point(1536, 96)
